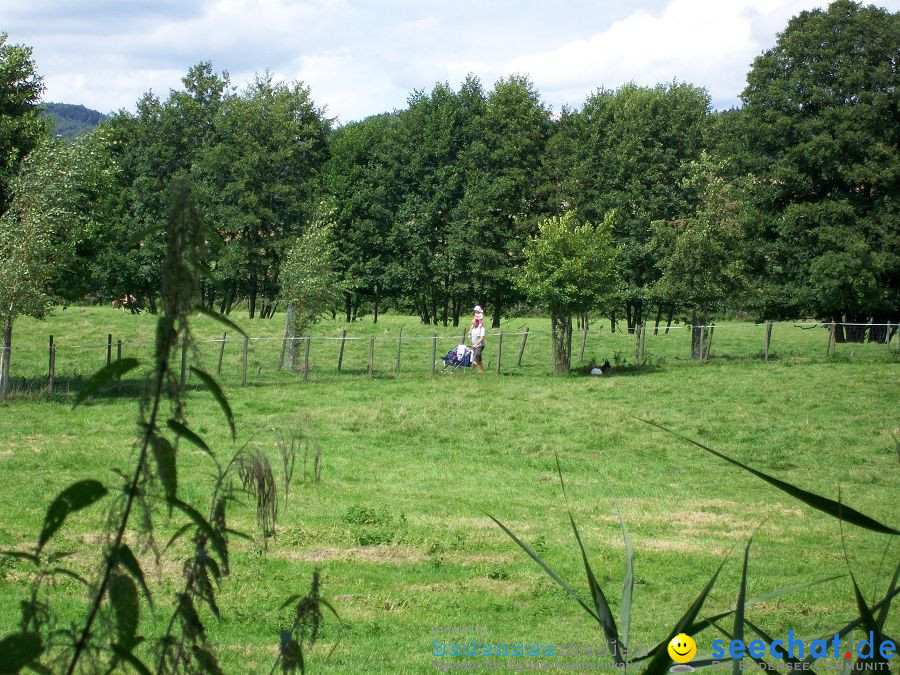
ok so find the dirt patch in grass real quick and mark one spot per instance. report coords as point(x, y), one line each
point(398, 555)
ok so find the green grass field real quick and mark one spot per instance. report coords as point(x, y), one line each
point(411, 464)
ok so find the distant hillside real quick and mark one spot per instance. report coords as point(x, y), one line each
point(72, 120)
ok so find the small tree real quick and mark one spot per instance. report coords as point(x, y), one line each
point(310, 283)
point(569, 268)
point(702, 265)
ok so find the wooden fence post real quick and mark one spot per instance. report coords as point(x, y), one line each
point(108, 348)
point(499, 351)
point(341, 351)
point(522, 348)
point(306, 360)
point(284, 342)
point(433, 353)
point(702, 338)
point(119, 358)
point(399, 343)
point(638, 329)
point(831, 336)
point(51, 373)
point(552, 348)
point(183, 358)
point(768, 340)
point(221, 354)
point(244, 361)
point(371, 355)
point(712, 329)
point(643, 340)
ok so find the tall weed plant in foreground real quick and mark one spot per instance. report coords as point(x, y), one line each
point(870, 620)
point(108, 639)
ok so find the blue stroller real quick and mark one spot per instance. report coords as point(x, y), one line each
point(458, 357)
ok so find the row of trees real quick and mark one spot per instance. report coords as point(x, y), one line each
point(784, 207)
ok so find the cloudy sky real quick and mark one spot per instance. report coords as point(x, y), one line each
point(362, 57)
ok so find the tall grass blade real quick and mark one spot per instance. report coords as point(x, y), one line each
point(553, 575)
point(818, 502)
point(600, 603)
point(870, 627)
point(886, 607)
point(737, 666)
point(628, 584)
point(768, 639)
point(661, 659)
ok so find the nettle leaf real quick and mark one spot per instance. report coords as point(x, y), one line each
point(77, 496)
point(215, 538)
point(210, 383)
point(126, 558)
point(188, 435)
point(221, 318)
point(104, 376)
point(18, 651)
point(164, 454)
point(124, 600)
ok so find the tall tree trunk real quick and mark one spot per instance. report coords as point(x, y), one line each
point(498, 308)
point(292, 348)
point(669, 318)
point(612, 322)
point(877, 333)
point(561, 329)
point(348, 305)
point(457, 308)
point(445, 311)
point(5, 353)
point(658, 317)
point(253, 291)
point(629, 321)
point(375, 314)
point(151, 301)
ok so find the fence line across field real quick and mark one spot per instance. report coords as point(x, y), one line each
point(290, 352)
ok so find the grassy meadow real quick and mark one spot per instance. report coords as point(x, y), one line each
point(411, 463)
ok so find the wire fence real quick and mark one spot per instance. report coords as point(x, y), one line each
point(62, 364)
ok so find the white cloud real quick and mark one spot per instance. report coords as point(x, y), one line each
point(709, 43)
point(362, 57)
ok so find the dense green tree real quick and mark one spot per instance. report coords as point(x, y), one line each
point(431, 235)
point(570, 268)
point(823, 122)
point(364, 181)
point(22, 122)
point(502, 196)
point(701, 259)
point(310, 283)
point(162, 140)
point(263, 174)
point(50, 207)
point(633, 146)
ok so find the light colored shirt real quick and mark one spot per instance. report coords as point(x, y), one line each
point(477, 333)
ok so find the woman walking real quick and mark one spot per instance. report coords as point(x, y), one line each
point(476, 333)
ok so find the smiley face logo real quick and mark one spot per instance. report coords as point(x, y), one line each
point(682, 648)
